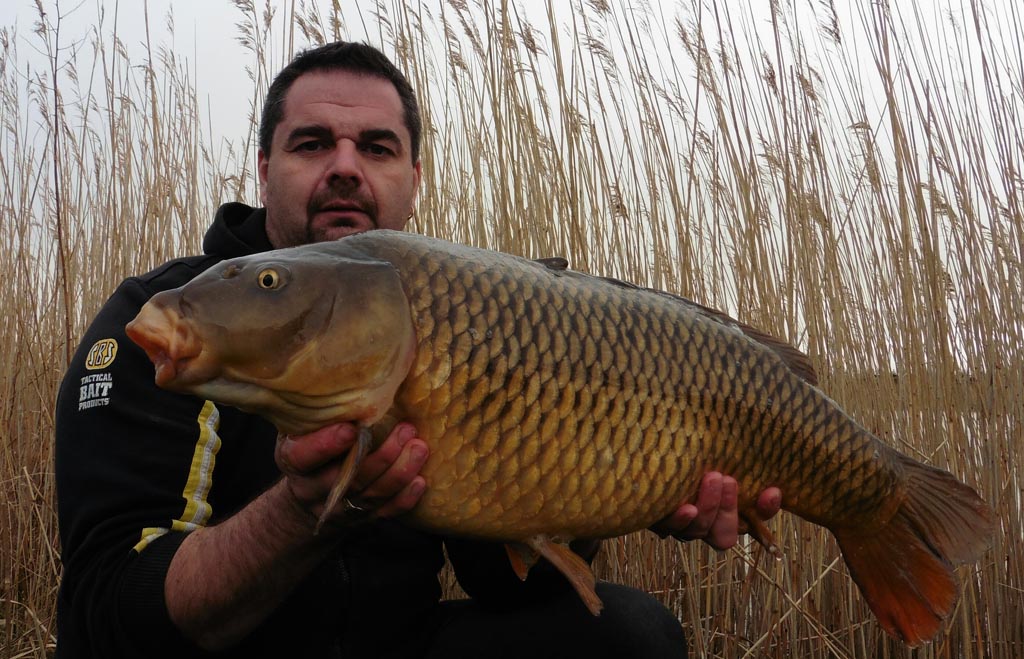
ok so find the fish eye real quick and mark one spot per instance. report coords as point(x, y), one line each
point(268, 279)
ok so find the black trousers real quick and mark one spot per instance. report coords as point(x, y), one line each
point(632, 624)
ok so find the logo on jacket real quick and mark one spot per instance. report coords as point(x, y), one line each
point(94, 390)
point(101, 354)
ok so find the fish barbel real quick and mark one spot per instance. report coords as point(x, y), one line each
point(559, 405)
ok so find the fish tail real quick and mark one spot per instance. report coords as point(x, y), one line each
point(905, 569)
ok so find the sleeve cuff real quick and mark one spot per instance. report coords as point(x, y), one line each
point(143, 604)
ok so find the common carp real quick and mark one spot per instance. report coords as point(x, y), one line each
point(559, 405)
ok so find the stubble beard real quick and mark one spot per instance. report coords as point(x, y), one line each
point(338, 190)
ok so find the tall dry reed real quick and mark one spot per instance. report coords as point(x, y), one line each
point(848, 178)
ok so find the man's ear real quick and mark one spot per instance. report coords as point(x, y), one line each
point(418, 174)
point(262, 164)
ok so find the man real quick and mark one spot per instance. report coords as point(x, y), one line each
point(188, 529)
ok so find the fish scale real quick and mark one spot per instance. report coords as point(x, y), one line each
point(559, 405)
point(581, 329)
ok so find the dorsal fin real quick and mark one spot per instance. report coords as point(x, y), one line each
point(797, 361)
point(556, 263)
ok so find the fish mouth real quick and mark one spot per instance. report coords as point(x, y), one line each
point(170, 342)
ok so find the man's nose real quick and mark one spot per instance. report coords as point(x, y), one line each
point(345, 164)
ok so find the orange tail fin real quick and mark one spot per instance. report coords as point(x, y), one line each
point(905, 570)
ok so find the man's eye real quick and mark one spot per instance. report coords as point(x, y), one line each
point(377, 149)
point(309, 146)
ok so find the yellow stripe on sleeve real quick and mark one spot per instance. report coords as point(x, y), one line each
point(149, 534)
point(200, 478)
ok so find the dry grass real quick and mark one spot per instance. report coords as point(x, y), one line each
point(860, 196)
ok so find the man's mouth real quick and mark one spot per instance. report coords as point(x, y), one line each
point(346, 215)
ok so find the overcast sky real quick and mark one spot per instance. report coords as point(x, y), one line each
point(206, 35)
point(204, 32)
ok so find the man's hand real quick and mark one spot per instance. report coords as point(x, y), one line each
point(715, 517)
point(386, 483)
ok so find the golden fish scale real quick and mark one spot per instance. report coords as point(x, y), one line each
point(563, 404)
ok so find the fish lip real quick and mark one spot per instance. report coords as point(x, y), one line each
point(186, 372)
point(179, 372)
point(156, 350)
point(166, 369)
point(170, 342)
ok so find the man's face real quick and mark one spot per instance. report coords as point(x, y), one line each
point(339, 162)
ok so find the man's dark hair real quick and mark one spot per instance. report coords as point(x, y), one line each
point(339, 56)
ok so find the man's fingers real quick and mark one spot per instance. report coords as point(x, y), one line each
point(769, 503)
point(681, 518)
point(715, 516)
point(400, 473)
point(380, 460)
point(724, 531)
point(404, 500)
point(709, 498)
point(387, 481)
point(693, 521)
point(306, 453)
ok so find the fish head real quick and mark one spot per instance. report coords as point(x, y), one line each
point(303, 336)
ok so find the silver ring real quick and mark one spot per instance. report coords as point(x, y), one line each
point(349, 506)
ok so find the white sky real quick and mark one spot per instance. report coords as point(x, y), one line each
point(204, 33)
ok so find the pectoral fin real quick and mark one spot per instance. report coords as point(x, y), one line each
point(575, 569)
point(348, 471)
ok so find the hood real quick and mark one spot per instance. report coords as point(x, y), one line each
point(237, 230)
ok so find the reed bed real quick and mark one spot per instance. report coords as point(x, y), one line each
point(848, 178)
